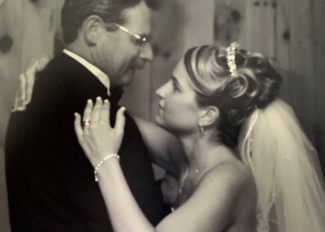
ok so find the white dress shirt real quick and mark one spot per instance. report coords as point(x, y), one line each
point(102, 77)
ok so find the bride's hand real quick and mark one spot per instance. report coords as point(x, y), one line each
point(97, 138)
point(27, 80)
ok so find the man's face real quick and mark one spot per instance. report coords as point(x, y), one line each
point(119, 54)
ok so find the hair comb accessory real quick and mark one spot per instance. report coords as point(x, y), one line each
point(231, 52)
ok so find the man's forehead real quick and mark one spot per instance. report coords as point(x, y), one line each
point(138, 19)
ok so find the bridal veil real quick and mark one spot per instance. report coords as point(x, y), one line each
point(286, 168)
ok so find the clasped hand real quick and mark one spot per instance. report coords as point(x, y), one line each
point(97, 138)
point(27, 80)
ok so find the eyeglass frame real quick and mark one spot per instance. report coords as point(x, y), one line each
point(143, 40)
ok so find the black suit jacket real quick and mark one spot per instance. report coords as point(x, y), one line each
point(50, 182)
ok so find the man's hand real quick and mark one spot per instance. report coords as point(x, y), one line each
point(27, 79)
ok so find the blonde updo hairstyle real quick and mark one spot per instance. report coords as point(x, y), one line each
point(257, 85)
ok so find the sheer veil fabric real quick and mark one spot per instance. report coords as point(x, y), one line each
point(286, 168)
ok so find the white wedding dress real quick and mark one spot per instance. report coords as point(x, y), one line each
point(286, 168)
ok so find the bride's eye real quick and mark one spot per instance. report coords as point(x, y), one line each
point(175, 86)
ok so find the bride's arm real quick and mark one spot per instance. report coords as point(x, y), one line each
point(123, 210)
point(210, 208)
point(164, 148)
point(26, 82)
point(98, 141)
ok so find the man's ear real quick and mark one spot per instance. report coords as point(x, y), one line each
point(91, 28)
point(209, 116)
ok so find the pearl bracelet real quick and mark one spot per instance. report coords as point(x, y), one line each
point(103, 161)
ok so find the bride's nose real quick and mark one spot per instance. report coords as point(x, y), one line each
point(160, 92)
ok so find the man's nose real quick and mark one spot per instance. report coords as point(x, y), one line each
point(146, 52)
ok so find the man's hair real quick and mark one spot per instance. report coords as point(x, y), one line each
point(74, 12)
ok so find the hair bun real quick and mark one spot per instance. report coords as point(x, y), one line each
point(237, 86)
point(270, 80)
point(270, 89)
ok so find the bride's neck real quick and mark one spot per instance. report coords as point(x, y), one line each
point(197, 147)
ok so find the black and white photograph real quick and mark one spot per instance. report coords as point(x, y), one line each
point(162, 115)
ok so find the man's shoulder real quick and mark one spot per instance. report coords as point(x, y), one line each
point(62, 65)
point(62, 75)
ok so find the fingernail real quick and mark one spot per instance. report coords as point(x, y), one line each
point(89, 101)
point(106, 101)
point(98, 98)
point(75, 114)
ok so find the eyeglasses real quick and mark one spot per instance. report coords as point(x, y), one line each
point(138, 39)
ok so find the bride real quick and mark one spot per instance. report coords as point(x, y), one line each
point(249, 165)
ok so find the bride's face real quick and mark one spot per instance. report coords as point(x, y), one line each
point(178, 108)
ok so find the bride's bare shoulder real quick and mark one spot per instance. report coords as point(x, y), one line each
point(232, 176)
point(227, 191)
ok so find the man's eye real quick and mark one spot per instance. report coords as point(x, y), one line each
point(138, 42)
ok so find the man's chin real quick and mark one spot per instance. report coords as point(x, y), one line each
point(127, 79)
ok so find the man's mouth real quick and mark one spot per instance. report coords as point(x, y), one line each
point(139, 65)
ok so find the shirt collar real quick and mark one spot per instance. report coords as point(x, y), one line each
point(102, 77)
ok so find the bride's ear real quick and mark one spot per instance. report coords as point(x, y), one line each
point(209, 116)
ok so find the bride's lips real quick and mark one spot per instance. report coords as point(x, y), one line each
point(160, 108)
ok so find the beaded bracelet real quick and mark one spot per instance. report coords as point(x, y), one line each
point(103, 161)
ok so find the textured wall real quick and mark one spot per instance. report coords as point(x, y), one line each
point(293, 34)
point(26, 31)
point(290, 32)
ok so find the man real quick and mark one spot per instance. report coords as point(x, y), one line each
point(50, 182)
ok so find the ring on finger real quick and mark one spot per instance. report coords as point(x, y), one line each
point(86, 122)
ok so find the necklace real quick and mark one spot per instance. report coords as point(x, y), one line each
point(197, 170)
point(183, 181)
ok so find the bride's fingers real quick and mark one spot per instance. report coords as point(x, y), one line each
point(79, 133)
point(30, 78)
point(88, 110)
point(96, 111)
point(87, 116)
point(17, 101)
point(77, 127)
point(22, 97)
point(42, 62)
point(104, 113)
point(120, 121)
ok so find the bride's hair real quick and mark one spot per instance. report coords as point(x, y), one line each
point(257, 85)
point(270, 140)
